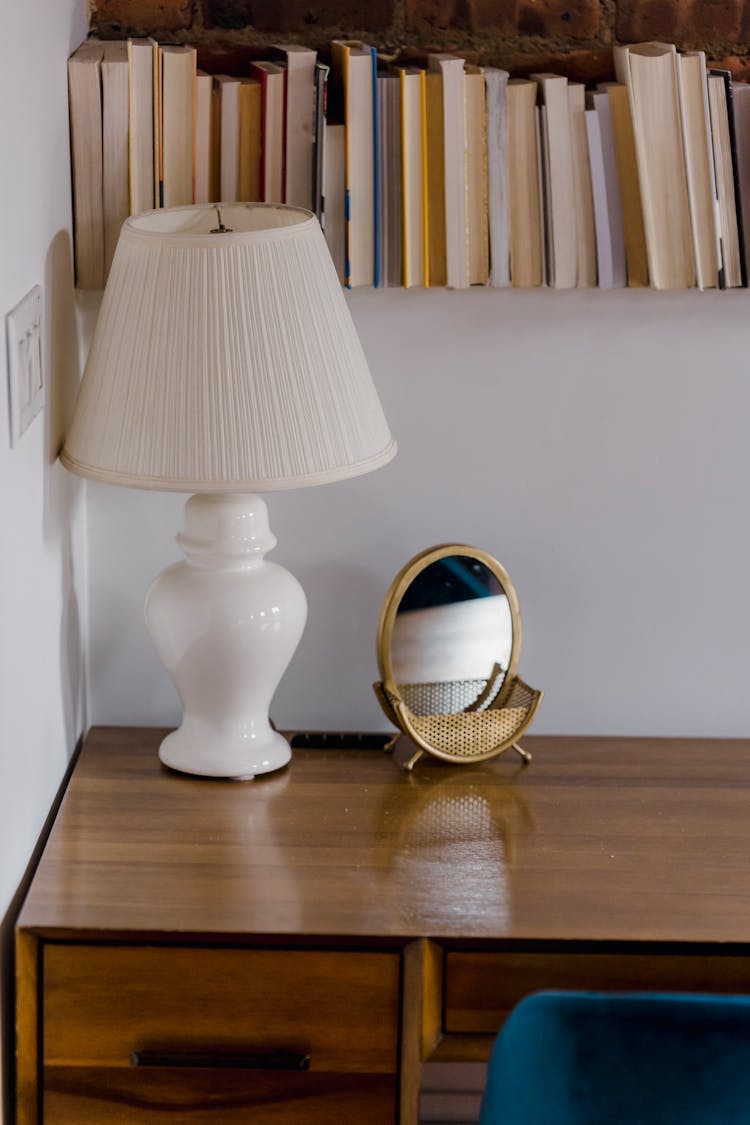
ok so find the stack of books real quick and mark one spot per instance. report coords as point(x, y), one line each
point(447, 174)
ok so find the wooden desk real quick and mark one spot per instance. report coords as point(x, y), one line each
point(368, 918)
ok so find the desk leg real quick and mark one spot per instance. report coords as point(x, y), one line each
point(421, 1020)
point(28, 1064)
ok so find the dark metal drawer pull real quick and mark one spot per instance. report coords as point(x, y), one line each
point(221, 1060)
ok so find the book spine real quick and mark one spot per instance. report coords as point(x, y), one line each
point(319, 140)
point(375, 172)
point(729, 86)
point(425, 200)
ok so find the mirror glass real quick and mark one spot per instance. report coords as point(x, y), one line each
point(454, 633)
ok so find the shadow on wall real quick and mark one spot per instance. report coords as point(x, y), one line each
point(62, 498)
point(63, 493)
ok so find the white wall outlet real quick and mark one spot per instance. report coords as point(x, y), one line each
point(25, 375)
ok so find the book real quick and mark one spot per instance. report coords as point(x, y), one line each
point(115, 144)
point(250, 149)
point(650, 72)
point(272, 88)
point(177, 72)
point(610, 238)
point(141, 125)
point(227, 93)
point(476, 177)
point(451, 69)
point(390, 227)
point(559, 182)
point(545, 198)
point(207, 139)
point(524, 204)
point(320, 105)
point(334, 190)
point(354, 70)
point(741, 98)
point(584, 198)
point(699, 165)
point(496, 82)
point(634, 235)
point(299, 66)
point(732, 272)
point(84, 91)
point(434, 173)
point(412, 175)
point(729, 89)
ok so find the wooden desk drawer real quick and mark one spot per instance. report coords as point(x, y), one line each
point(103, 1003)
point(482, 988)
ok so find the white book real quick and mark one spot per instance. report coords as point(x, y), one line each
point(85, 90)
point(562, 228)
point(115, 144)
point(699, 166)
point(412, 116)
point(650, 71)
point(456, 216)
point(334, 193)
point(204, 138)
point(604, 260)
point(229, 158)
point(584, 200)
point(178, 68)
point(141, 62)
point(496, 82)
point(524, 194)
point(272, 79)
point(354, 65)
point(600, 101)
point(299, 131)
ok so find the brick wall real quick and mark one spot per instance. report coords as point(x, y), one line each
point(573, 37)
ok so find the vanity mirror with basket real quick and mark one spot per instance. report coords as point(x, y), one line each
point(449, 641)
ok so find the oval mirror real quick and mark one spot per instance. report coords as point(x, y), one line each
point(449, 640)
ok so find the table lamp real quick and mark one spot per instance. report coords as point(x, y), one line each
point(225, 362)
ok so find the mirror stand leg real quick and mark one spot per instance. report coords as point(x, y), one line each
point(524, 754)
point(413, 761)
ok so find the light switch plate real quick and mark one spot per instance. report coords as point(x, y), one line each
point(25, 375)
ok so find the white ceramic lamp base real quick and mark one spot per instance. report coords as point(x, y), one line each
point(225, 623)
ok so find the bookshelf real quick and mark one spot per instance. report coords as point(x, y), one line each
point(429, 172)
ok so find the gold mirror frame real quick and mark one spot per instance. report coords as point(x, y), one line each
point(482, 730)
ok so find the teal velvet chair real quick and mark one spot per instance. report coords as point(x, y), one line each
point(568, 1058)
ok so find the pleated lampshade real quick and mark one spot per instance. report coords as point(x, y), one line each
point(225, 359)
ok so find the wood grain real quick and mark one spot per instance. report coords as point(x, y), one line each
point(598, 840)
point(27, 1028)
point(102, 1096)
point(482, 988)
point(421, 1019)
point(341, 1009)
point(371, 916)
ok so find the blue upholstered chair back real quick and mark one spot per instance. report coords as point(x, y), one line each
point(567, 1058)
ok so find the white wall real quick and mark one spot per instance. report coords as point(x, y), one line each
point(596, 443)
point(41, 581)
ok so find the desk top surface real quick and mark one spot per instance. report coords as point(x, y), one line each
point(599, 839)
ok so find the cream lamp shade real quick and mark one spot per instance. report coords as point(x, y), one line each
point(225, 362)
